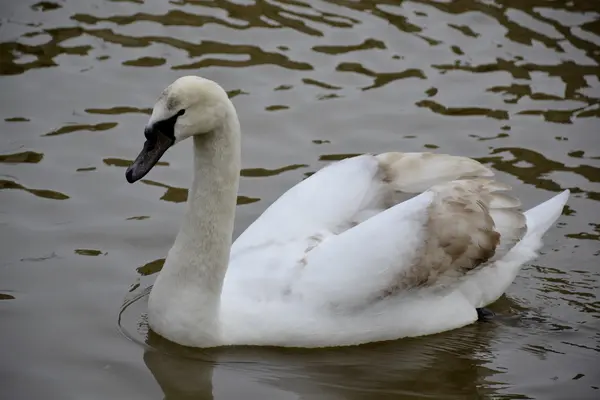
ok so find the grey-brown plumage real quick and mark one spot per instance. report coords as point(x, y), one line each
point(470, 221)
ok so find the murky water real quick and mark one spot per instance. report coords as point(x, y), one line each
point(515, 84)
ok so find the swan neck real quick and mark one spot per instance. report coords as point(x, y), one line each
point(184, 303)
point(206, 233)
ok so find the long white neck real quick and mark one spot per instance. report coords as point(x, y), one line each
point(184, 302)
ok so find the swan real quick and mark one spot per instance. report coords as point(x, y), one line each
point(370, 248)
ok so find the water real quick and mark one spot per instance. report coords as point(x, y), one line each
point(515, 84)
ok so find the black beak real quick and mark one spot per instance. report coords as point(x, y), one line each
point(156, 145)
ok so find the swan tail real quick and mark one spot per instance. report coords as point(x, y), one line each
point(489, 283)
point(543, 216)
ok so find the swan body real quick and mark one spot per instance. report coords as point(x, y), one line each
point(371, 248)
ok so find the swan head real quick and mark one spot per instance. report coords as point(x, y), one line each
point(189, 106)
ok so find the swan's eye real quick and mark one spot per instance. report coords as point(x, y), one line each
point(167, 126)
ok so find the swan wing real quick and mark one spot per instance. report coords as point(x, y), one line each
point(348, 192)
point(269, 257)
point(488, 284)
point(323, 201)
point(430, 241)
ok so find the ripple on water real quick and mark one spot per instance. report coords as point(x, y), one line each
point(138, 218)
point(25, 157)
point(532, 167)
point(43, 193)
point(119, 162)
point(45, 6)
point(89, 252)
point(179, 195)
point(85, 169)
point(264, 172)
point(145, 62)
point(514, 83)
point(119, 110)
point(103, 126)
point(380, 79)
point(151, 267)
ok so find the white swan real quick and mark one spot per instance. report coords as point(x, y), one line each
point(339, 259)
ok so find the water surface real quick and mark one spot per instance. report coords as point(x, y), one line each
point(515, 84)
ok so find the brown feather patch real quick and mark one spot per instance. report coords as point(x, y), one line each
point(461, 235)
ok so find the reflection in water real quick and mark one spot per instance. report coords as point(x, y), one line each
point(462, 111)
point(453, 365)
point(180, 195)
point(145, 62)
point(151, 267)
point(514, 83)
point(337, 157)
point(305, 17)
point(119, 162)
point(384, 370)
point(39, 259)
point(263, 172)
point(276, 108)
point(588, 236)
point(45, 6)
point(484, 138)
point(537, 167)
point(118, 110)
point(322, 85)
point(283, 87)
point(103, 126)
point(88, 252)
point(44, 193)
point(379, 79)
point(173, 194)
point(138, 218)
point(579, 292)
point(366, 45)
point(180, 378)
point(27, 157)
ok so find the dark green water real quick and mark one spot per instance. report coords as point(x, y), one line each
point(515, 84)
